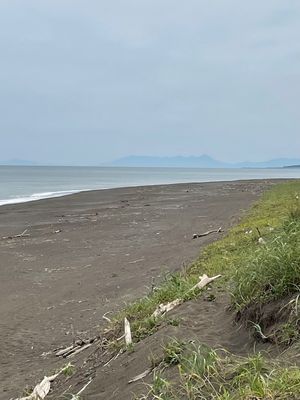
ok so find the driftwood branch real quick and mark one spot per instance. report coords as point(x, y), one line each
point(42, 389)
point(79, 350)
point(141, 376)
point(76, 396)
point(77, 347)
point(104, 316)
point(62, 352)
point(204, 280)
point(20, 235)
point(113, 358)
point(164, 308)
point(198, 235)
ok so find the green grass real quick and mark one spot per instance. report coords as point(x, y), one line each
point(252, 272)
point(255, 274)
point(68, 370)
point(204, 373)
point(271, 271)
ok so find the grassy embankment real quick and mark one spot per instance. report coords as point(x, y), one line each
point(257, 275)
point(253, 273)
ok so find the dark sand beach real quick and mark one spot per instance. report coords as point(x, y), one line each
point(92, 252)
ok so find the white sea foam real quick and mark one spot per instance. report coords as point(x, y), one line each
point(37, 196)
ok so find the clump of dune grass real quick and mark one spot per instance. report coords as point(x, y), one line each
point(204, 373)
point(272, 271)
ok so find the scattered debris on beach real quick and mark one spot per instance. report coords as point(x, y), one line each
point(20, 235)
point(77, 347)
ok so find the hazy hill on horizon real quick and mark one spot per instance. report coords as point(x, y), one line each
point(17, 162)
point(203, 161)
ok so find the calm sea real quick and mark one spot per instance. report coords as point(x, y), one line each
point(21, 184)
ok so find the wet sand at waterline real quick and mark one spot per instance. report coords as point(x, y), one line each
point(92, 252)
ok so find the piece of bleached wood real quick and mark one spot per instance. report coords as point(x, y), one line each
point(20, 235)
point(127, 330)
point(64, 351)
point(164, 308)
point(106, 318)
point(204, 280)
point(113, 358)
point(76, 396)
point(86, 346)
point(42, 389)
point(120, 338)
point(198, 235)
point(141, 376)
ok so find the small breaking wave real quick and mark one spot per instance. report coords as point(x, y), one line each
point(37, 196)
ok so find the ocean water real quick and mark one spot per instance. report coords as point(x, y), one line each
point(20, 184)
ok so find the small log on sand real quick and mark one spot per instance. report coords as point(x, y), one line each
point(20, 235)
point(77, 347)
point(164, 308)
point(198, 235)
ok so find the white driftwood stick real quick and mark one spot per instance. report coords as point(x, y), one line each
point(204, 280)
point(113, 358)
point(75, 397)
point(64, 351)
point(141, 376)
point(198, 235)
point(86, 346)
point(120, 338)
point(23, 234)
point(106, 318)
point(164, 308)
point(42, 389)
point(127, 329)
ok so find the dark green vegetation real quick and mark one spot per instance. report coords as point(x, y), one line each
point(260, 265)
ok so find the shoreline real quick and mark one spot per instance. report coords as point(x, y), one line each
point(36, 197)
point(20, 185)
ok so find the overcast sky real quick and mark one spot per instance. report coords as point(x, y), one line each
point(84, 82)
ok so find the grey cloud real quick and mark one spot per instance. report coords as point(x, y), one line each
point(82, 82)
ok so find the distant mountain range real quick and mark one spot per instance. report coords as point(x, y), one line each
point(203, 161)
point(17, 161)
